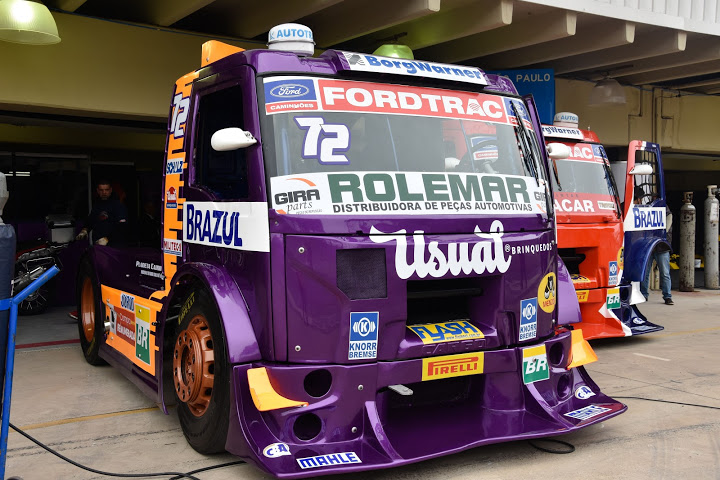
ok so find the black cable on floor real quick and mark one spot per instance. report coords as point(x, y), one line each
point(213, 467)
point(174, 475)
point(668, 401)
point(570, 446)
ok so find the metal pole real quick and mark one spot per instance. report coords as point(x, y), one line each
point(711, 239)
point(687, 244)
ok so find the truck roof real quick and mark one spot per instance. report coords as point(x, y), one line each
point(349, 64)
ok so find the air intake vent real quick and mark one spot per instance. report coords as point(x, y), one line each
point(361, 273)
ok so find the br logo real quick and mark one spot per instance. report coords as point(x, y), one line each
point(547, 293)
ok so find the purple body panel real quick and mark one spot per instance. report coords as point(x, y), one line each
point(291, 310)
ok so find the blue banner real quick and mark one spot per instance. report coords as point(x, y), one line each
point(540, 83)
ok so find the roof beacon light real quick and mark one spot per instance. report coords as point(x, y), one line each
point(566, 119)
point(292, 37)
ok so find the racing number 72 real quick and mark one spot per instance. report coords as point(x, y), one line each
point(335, 138)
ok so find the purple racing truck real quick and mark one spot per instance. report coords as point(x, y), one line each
point(358, 268)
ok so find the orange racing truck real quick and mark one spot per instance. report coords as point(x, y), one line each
point(591, 236)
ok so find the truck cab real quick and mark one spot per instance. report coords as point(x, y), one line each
point(593, 238)
point(358, 267)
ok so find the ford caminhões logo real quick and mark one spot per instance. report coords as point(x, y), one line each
point(289, 90)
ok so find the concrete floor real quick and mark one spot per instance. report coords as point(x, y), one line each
point(97, 418)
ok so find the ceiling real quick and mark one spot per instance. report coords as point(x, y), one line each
point(491, 34)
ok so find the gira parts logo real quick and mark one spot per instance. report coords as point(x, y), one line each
point(447, 366)
point(547, 293)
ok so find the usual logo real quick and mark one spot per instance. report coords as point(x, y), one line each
point(289, 90)
point(587, 412)
point(535, 366)
point(547, 293)
point(276, 450)
point(446, 332)
point(363, 335)
point(447, 366)
point(583, 392)
point(528, 319)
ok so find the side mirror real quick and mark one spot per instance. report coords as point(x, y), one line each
point(228, 139)
point(642, 169)
point(558, 151)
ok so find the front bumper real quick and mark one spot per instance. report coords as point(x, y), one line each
point(355, 422)
point(610, 312)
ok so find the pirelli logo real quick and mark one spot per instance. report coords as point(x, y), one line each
point(582, 295)
point(447, 366)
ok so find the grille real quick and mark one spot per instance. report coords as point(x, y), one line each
point(361, 273)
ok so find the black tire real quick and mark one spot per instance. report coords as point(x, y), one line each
point(203, 412)
point(90, 314)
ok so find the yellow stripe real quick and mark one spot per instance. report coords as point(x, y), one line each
point(533, 351)
point(688, 332)
point(84, 419)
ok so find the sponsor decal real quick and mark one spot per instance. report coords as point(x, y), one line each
point(486, 255)
point(171, 201)
point(606, 205)
point(531, 248)
point(576, 205)
point(350, 96)
point(296, 195)
point(373, 63)
point(364, 328)
point(275, 450)
point(528, 319)
point(142, 334)
point(431, 333)
point(447, 366)
point(582, 295)
point(149, 269)
point(328, 460)
point(621, 258)
point(112, 317)
point(186, 306)
point(584, 392)
point(180, 111)
point(535, 365)
point(613, 298)
point(562, 132)
point(587, 412)
point(579, 278)
point(174, 166)
point(125, 327)
point(547, 293)
point(406, 193)
point(645, 218)
point(290, 93)
point(613, 271)
point(172, 246)
point(237, 225)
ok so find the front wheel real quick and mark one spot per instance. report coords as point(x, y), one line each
point(201, 374)
point(37, 302)
point(91, 326)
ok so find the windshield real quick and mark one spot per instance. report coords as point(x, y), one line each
point(583, 183)
point(340, 146)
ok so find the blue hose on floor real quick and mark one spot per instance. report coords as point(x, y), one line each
point(12, 304)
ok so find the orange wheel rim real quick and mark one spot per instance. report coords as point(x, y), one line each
point(87, 310)
point(194, 366)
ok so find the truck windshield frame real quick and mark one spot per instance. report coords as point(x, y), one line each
point(365, 127)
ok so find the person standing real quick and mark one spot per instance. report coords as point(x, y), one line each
point(107, 219)
point(663, 261)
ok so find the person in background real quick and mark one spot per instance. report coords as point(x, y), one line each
point(107, 219)
point(663, 261)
